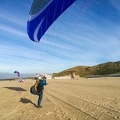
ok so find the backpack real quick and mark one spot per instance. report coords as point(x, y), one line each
point(40, 86)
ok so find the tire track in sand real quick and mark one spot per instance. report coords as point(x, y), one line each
point(75, 112)
point(94, 111)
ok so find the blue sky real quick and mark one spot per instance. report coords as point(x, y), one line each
point(87, 33)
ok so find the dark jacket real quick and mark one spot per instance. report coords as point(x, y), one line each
point(41, 84)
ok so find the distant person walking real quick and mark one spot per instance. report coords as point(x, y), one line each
point(38, 89)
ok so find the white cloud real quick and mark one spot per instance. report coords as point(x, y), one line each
point(12, 31)
point(6, 16)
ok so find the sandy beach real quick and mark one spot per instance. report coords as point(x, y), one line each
point(83, 99)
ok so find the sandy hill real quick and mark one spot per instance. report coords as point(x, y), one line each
point(100, 69)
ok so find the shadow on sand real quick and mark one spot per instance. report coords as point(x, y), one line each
point(16, 88)
point(25, 100)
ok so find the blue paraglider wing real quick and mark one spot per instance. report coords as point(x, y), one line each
point(42, 14)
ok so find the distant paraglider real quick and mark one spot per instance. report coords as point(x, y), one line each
point(18, 74)
point(42, 14)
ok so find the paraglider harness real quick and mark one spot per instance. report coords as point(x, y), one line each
point(39, 87)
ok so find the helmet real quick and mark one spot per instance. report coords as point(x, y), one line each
point(43, 76)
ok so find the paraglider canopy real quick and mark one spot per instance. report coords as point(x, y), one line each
point(17, 73)
point(42, 14)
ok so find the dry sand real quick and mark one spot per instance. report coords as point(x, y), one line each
point(83, 99)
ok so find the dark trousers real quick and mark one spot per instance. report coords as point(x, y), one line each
point(40, 98)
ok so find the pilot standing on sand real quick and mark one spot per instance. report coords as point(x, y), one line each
point(39, 87)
